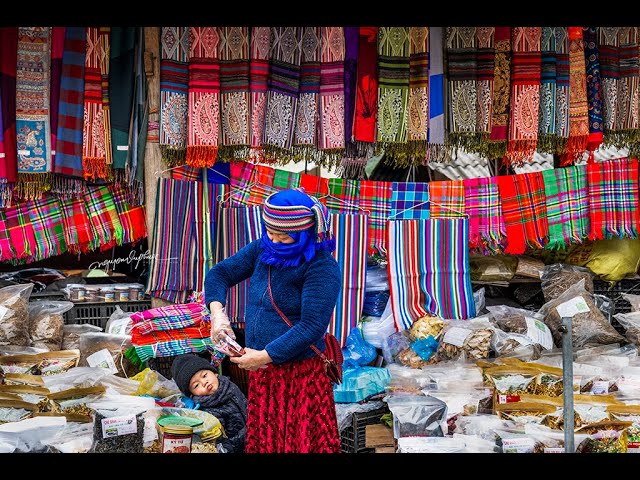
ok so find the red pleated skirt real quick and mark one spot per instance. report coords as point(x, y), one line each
point(291, 409)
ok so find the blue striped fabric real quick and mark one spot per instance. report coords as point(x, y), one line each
point(409, 200)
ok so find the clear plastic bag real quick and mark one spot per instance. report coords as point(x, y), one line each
point(153, 384)
point(558, 277)
point(106, 350)
point(46, 319)
point(634, 301)
point(483, 426)
point(119, 322)
point(14, 315)
point(356, 351)
point(467, 340)
point(589, 326)
point(631, 323)
point(72, 438)
point(47, 363)
point(72, 332)
point(30, 435)
point(417, 416)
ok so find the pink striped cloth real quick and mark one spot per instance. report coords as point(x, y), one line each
point(193, 310)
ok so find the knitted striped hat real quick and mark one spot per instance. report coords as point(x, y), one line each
point(293, 210)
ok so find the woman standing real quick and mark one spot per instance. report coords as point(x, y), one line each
point(291, 407)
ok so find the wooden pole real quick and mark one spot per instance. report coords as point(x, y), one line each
point(152, 157)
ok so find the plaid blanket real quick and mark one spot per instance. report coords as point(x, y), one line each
point(344, 196)
point(132, 218)
point(524, 210)
point(194, 311)
point(103, 216)
point(160, 336)
point(487, 230)
point(567, 205)
point(77, 226)
point(446, 199)
point(241, 174)
point(48, 227)
point(315, 186)
point(174, 347)
point(6, 250)
point(375, 199)
point(262, 184)
point(409, 200)
point(284, 179)
point(613, 198)
point(20, 232)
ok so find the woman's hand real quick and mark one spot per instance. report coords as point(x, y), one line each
point(219, 323)
point(252, 359)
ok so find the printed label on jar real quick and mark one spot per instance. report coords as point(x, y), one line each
point(456, 336)
point(176, 445)
point(116, 426)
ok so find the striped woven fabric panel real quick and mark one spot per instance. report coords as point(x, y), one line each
point(258, 78)
point(613, 198)
point(375, 199)
point(423, 281)
point(610, 70)
point(351, 254)
point(418, 104)
point(409, 200)
point(167, 335)
point(562, 83)
point(547, 83)
point(446, 198)
point(461, 48)
point(331, 99)
point(344, 196)
point(629, 86)
point(307, 114)
point(173, 347)
point(487, 230)
point(485, 68)
point(194, 311)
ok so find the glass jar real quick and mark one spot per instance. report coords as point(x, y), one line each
point(108, 294)
point(77, 294)
point(135, 292)
point(121, 293)
point(176, 438)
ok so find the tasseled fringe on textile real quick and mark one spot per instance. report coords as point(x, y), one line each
point(6, 193)
point(173, 155)
point(359, 149)
point(492, 245)
point(134, 189)
point(621, 138)
point(68, 187)
point(576, 146)
point(95, 168)
point(557, 244)
point(515, 245)
point(629, 232)
point(472, 142)
point(31, 186)
point(353, 168)
point(327, 158)
point(520, 151)
point(201, 156)
point(547, 143)
point(403, 154)
point(79, 248)
point(228, 153)
point(437, 152)
point(496, 149)
point(594, 142)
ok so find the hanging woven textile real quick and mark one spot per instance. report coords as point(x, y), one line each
point(524, 211)
point(485, 65)
point(525, 94)
point(219, 173)
point(500, 94)
point(185, 172)
point(562, 90)
point(331, 99)
point(201, 246)
point(375, 199)
point(237, 227)
point(409, 200)
point(429, 270)
point(133, 175)
point(55, 77)
point(462, 90)
point(351, 45)
point(610, 71)
point(282, 94)
point(204, 97)
point(344, 196)
point(628, 114)
point(67, 164)
point(8, 151)
point(48, 227)
point(77, 227)
point(103, 216)
point(315, 186)
point(304, 133)
point(132, 218)
point(446, 199)
point(284, 179)
point(6, 250)
point(393, 90)
point(174, 84)
point(547, 114)
point(487, 231)
point(233, 51)
point(262, 184)
point(613, 198)
point(32, 112)
point(258, 78)
point(436, 150)
point(96, 133)
point(594, 87)
point(578, 106)
point(168, 271)
point(418, 103)
point(350, 231)
point(241, 174)
point(567, 205)
point(21, 233)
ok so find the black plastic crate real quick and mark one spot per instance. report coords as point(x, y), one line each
point(614, 292)
point(353, 438)
point(98, 313)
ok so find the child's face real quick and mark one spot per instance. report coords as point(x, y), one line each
point(203, 382)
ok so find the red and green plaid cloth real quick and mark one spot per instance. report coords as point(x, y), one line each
point(446, 199)
point(524, 210)
point(613, 198)
point(262, 184)
point(132, 219)
point(137, 338)
point(314, 185)
point(567, 205)
point(284, 180)
point(105, 223)
point(6, 250)
point(487, 231)
point(48, 227)
point(375, 198)
point(20, 232)
point(241, 174)
point(77, 227)
point(344, 196)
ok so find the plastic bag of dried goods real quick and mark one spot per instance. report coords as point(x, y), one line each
point(417, 416)
point(14, 314)
point(558, 277)
point(106, 350)
point(46, 323)
point(467, 340)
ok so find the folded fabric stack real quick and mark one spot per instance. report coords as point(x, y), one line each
point(173, 330)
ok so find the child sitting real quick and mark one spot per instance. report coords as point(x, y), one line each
point(218, 395)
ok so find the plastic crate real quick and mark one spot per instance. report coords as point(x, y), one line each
point(614, 292)
point(353, 437)
point(98, 313)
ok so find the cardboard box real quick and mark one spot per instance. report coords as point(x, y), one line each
point(385, 450)
point(378, 435)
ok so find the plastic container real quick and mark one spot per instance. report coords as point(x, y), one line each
point(135, 293)
point(108, 294)
point(176, 438)
point(92, 295)
point(77, 294)
point(121, 293)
